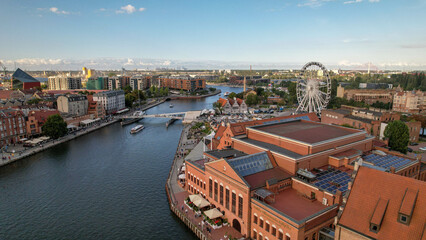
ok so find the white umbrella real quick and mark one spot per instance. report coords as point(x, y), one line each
point(213, 213)
point(198, 201)
point(183, 168)
point(182, 176)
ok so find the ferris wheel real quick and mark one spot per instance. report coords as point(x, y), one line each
point(313, 88)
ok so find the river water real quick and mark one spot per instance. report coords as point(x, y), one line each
point(104, 185)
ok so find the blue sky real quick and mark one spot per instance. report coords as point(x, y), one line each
point(42, 33)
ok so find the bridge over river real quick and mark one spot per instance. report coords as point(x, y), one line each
point(186, 117)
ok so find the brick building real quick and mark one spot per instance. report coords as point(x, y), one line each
point(382, 206)
point(95, 108)
point(185, 83)
point(368, 96)
point(22, 80)
point(372, 122)
point(12, 126)
point(226, 131)
point(282, 180)
point(35, 120)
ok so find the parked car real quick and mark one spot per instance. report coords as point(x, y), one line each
point(410, 149)
point(423, 148)
point(414, 144)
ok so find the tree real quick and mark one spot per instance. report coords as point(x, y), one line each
point(398, 135)
point(251, 99)
point(127, 89)
point(54, 127)
point(232, 95)
point(129, 99)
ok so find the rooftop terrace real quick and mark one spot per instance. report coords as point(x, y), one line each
point(305, 131)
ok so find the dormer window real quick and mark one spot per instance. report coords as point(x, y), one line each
point(374, 228)
point(403, 218)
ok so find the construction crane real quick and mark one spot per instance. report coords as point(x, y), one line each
point(4, 69)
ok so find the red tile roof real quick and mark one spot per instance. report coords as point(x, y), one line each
point(42, 115)
point(222, 101)
point(371, 187)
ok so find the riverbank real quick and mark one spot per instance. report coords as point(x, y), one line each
point(224, 84)
point(178, 97)
point(176, 196)
point(17, 155)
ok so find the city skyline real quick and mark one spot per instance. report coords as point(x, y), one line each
point(51, 35)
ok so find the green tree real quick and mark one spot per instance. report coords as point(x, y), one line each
point(232, 95)
point(129, 99)
point(127, 89)
point(251, 99)
point(398, 135)
point(54, 127)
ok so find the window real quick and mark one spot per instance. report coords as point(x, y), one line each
point(254, 235)
point(240, 207)
point(314, 236)
point(374, 228)
point(234, 200)
point(227, 198)
point(403, 218)
point(274, 231)
point(215, 191)
point(267, 226)
point(261, 223)
point(280, 235)
point(221, 195)
point(210, 188)
point(255, 219)
point(260, 236)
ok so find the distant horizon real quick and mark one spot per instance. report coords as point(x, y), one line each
point(139, 64)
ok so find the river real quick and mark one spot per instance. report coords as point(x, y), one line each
point(104, 185)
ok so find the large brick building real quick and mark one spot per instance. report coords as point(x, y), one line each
point(382, 206)
point(226, 131)
point(368, 96)
point(372, 122)
point(281, 180)
point(185, 83)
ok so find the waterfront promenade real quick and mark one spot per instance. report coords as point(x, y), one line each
point(176, 196)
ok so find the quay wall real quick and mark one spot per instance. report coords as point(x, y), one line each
point(172, 201)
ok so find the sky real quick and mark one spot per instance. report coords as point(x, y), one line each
point(143, 34)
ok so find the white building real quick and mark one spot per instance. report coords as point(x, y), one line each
point(233, 106)
point(76, 105)
point(111, 100)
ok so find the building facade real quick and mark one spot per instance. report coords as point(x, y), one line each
point(63, 83)
point(233, 106)
point(185, 83)
point(12, 126)
point(96, 83)
point(409, 101)
point(112, 101)
point(368, 96)
point(35, 120)
point(75, 105)
point(140, 82)
point(95, 108)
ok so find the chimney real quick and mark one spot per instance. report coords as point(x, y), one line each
point(392, 169)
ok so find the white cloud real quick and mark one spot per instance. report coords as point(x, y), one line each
point(102, 9)
point(129, 9)
point(374, 1)
point(57, 11)
point(352, 1)
point(352, 40)
point(313, 3)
